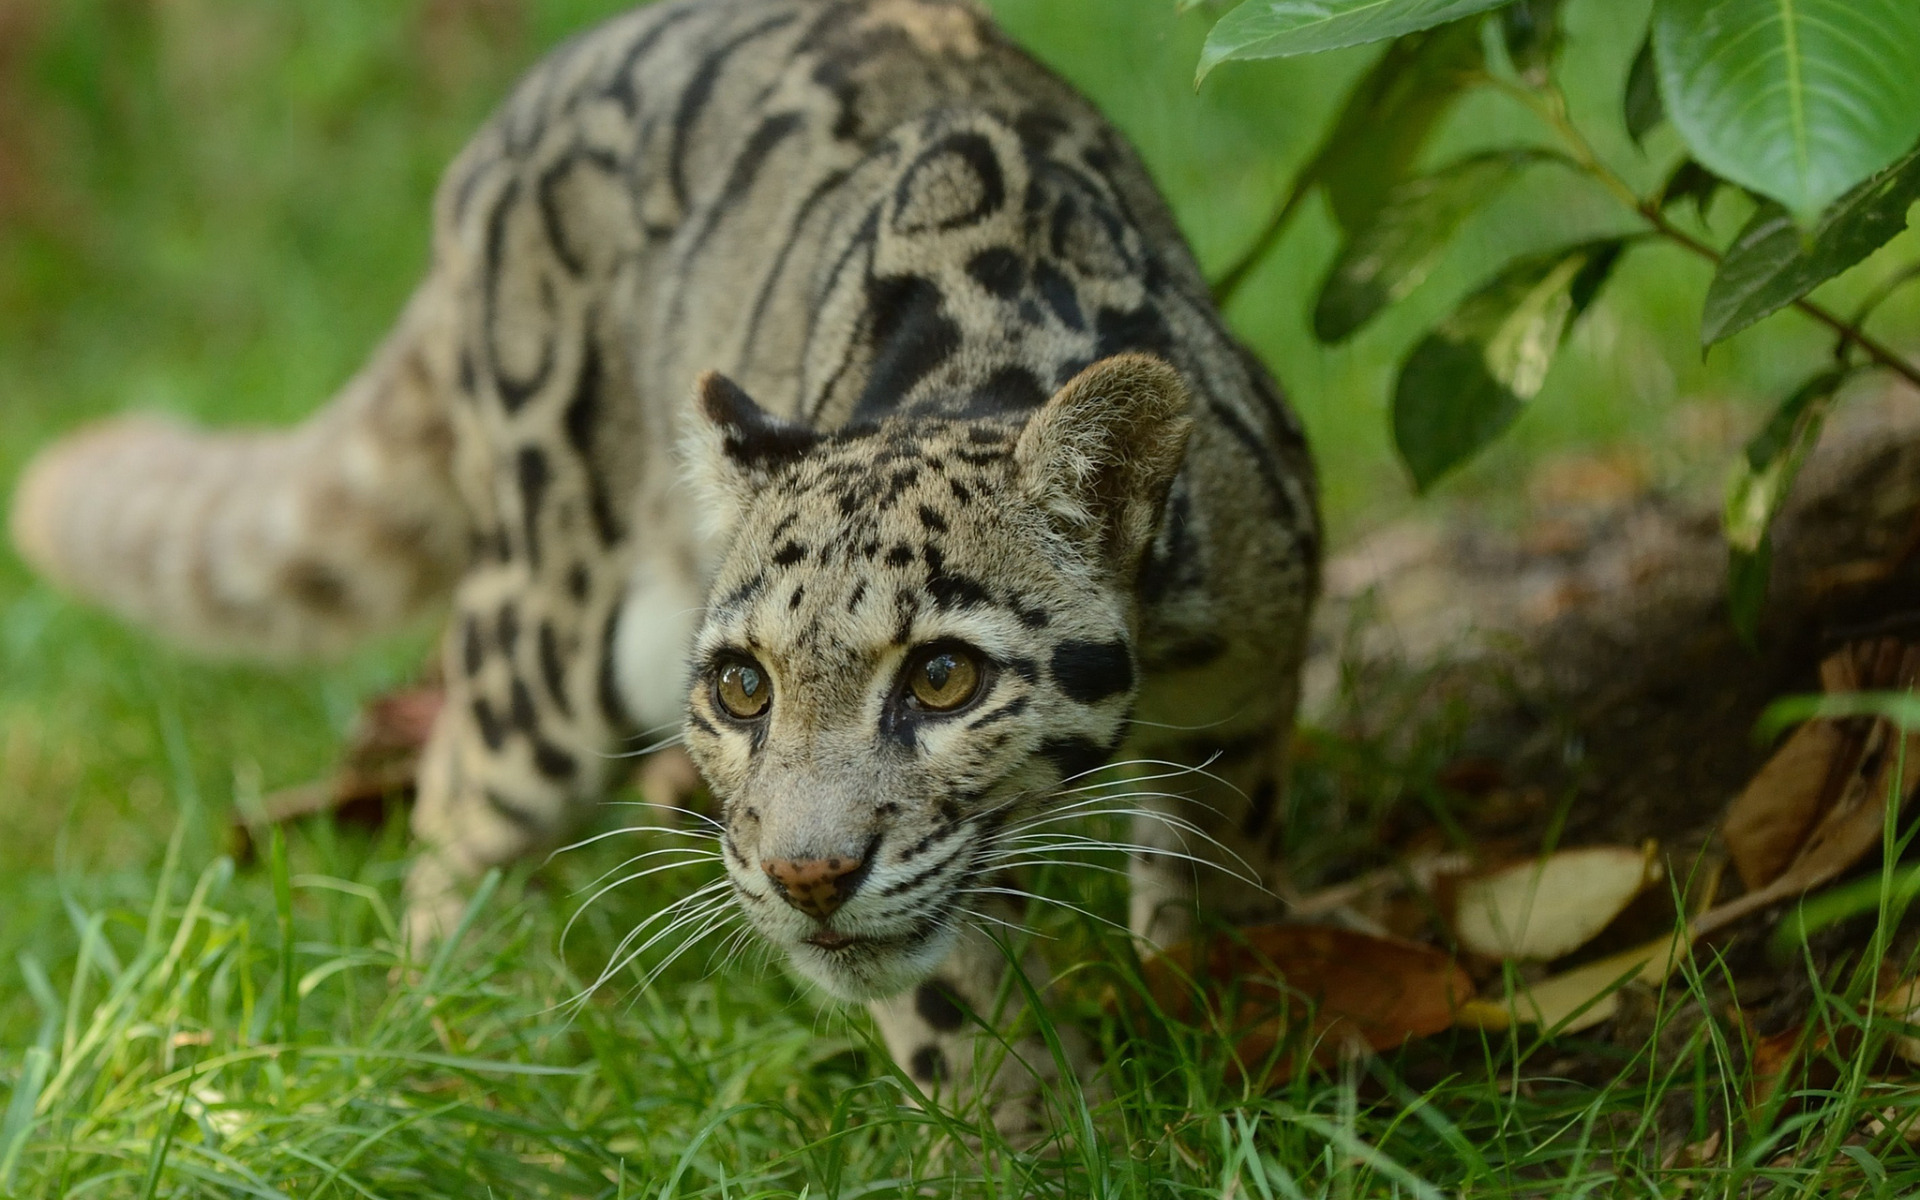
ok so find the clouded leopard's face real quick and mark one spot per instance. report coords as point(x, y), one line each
point(917, 633)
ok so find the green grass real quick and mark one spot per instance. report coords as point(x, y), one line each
point(215, 207)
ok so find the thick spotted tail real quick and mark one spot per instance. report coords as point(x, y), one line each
point(276, 544)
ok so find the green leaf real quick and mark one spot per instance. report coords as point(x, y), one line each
point(1764, 474)
point(1762, 477)
point(1774, 262)
point(1468, 379)
point(1282, 28)
point(1392, 255)
point(1532, 34)
point(1749, 572)
point(1382, 127)
point(1640, 100)
point(1797, 100)
point(1388, 116)
point(1691, 181)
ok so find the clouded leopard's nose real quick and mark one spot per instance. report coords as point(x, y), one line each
point(815, 886)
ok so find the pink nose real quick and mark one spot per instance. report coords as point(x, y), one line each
point(815, 886)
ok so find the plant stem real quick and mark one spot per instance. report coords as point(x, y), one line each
point(1881, 354)
point(1229, 283)
point(1550, 105)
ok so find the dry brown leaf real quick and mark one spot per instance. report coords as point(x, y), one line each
point(1415, 872)
point(396, 723)
point(1261, 985)
point(1772, 1060)
point(1850, 829)
point(1884, 765)
point(1903, 1121)
point(1902, 1003)
point(1584, 996)
point(1545, 908)
point(1770, 819)
point(1693, 1154)
point(381, 758)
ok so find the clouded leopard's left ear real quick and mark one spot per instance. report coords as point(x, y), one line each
point(1101, 454)
point(735, 447)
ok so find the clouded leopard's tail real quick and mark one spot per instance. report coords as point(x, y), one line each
point(276, 544)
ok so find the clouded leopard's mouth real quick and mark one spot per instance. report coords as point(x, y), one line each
point(869, 966)
point(833, 941)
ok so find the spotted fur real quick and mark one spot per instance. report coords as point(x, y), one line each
point(810, 333)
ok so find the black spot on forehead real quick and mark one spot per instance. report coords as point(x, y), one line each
point(906, 606)
point(898, 484)
point(744, 592)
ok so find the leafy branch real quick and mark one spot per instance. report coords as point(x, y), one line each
point(1549, 104)
point(1821, 128)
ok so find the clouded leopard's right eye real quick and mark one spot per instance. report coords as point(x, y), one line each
point(943, 678)
point(743, 690)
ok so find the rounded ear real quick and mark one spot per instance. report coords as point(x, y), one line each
point(735, 447)
point(1101, 455)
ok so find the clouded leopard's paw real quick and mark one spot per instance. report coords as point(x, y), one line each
point(1028, 1092)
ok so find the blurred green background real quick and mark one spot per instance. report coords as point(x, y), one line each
point(215, 207)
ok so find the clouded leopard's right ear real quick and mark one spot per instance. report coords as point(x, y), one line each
point(736, 447)
point(1100, 456)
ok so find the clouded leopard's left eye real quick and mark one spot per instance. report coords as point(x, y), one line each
point(943, 678)
point(742, 689)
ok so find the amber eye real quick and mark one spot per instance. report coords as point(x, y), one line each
point(743, 690)
point(943, 680)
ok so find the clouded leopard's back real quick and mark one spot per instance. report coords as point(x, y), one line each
point(852, 207)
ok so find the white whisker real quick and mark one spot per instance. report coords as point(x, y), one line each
point(713, 924)
point(601, 837)
point(1014, 926)
point(1039, 844)
point(1023, 894)
point(695, 813)
point(696, 853)
point(667, 913)
point(696, 910)
point(650, 748)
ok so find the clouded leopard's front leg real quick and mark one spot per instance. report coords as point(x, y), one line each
point(1208, 841)
point(526, 735)
point(966, 1033)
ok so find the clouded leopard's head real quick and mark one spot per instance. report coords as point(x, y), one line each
point(918, 632)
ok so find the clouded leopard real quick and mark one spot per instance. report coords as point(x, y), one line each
point(825, 377)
